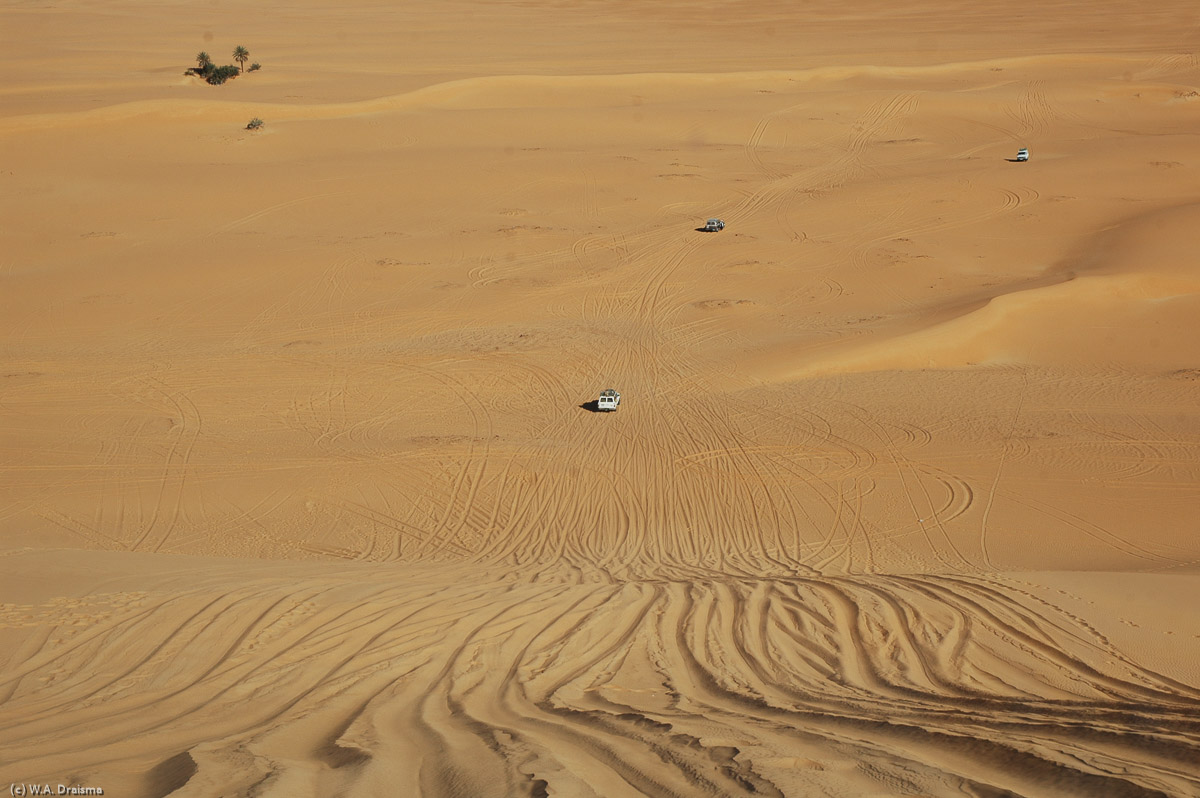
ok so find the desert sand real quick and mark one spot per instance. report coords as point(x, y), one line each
point(300, 490)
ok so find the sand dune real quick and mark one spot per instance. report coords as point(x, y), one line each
point(300, 492)
point(283, 678)
point(1124, 304)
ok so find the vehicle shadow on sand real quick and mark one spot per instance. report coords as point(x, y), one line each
point(592, 406)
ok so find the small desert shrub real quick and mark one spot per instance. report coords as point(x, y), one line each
point(254, 67)
point(255, 124)
point(219, 75)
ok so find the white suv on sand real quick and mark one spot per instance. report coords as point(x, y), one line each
point(609, 399)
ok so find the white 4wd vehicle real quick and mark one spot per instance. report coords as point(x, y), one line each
point(1023, 154)
point(714, 225)
point(609, 399)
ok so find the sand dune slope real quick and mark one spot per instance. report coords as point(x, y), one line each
point(1119, 304)
point(303, 490)
point(313, 681)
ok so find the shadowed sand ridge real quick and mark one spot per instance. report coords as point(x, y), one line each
point(299, 489)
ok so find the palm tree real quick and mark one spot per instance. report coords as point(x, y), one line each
point(202, 60)
point(241, 55)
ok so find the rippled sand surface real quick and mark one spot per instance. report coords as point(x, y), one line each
point(301, 487)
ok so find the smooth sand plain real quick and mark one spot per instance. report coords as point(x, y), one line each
point(299, 495)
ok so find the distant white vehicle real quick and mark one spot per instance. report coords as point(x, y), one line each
point(609, 399)
point(1023, 154)
point(714, 225)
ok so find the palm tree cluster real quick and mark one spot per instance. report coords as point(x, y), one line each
point(217, 75)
